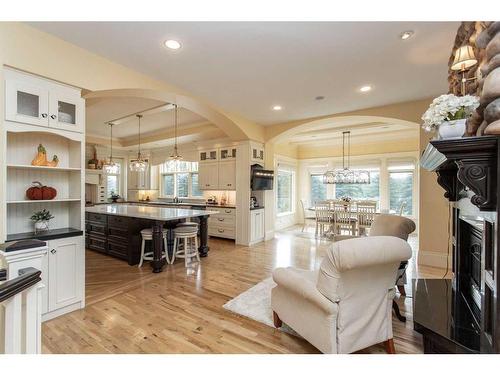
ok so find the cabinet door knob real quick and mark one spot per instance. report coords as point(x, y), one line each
point(53, 251)
point(53, 117)
point(44, 115)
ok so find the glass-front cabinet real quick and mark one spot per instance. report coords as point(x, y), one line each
point(36, 101)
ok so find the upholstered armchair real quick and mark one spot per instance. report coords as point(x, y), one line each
point(346, 305)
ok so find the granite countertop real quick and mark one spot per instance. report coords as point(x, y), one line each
point(146, 212)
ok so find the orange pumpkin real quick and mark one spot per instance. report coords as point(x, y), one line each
point(38, 192)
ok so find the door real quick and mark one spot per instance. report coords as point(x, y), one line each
point(257, 225)
point(227, 175)
point(208, 176)
point(66, 272)
point(26, 101)
point(66, 109)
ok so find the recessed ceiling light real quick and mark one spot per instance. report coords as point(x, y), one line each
point(365, 88)
point(406, 34)
point(172, 44)
point(277, 108)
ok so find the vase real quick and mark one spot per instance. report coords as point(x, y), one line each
point(452, 129)
point(41, 226)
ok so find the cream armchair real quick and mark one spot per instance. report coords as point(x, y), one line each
point(346, 305)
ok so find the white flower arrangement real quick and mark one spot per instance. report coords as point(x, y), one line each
point(448, 107)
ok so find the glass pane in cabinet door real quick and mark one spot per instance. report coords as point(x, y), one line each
point(27, 104)
point(67, 112)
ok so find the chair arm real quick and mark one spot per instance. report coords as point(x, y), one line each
point(295, 283)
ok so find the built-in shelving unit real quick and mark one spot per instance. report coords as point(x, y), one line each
point(41, 111)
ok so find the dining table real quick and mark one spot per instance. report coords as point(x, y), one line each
point(159, 218)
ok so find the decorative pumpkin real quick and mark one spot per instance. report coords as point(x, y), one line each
point(40, 192)
point(40, 159)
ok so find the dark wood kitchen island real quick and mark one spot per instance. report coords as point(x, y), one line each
point(115, 229)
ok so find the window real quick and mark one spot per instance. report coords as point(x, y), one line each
point(113, 185)
point(401, 191)
point(284, 192)
point(179, 179)
point(318, 188)
point(369, 191)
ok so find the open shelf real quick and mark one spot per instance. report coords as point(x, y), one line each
point(50, 234)
point(33, 167)
point(44, 200)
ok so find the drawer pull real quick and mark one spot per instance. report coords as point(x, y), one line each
point(221, 219)
point(220, 230)
point(227, 211)
point(53, 251)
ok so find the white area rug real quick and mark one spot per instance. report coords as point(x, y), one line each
point(255, 303)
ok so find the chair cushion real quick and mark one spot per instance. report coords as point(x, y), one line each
point(187, 224)
point(186, 230)
point(149, 231)
point(392, 225)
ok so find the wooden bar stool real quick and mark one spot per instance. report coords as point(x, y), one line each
point(188, 234)
point(147, 235)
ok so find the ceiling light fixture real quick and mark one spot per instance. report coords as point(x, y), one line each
point(109, 166)
point(175, 155)
point(277, 108)
point(172, 44)
point(139, 164)
point(346, 175)
point(365, 88)
point(406, 34)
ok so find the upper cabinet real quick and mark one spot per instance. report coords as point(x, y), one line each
point(36, 101)
point(147, 180)
point(257, 153)
point(227, 153)
point(208, 155)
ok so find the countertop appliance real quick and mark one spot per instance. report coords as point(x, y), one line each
point(253, 202)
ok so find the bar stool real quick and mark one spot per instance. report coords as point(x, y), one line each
point(188, 234)
point(187, 224)
point(147, 235)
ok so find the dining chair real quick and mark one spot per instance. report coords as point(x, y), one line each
point(366, 211)
point(323, 213)
point(305, 215)
point(402, 208)
point(344, 218)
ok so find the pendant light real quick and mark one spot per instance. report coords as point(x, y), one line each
point(346, 175)
point(110, 167)
point(175, 155)
point(139, 164)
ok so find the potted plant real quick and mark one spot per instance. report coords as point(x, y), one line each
point(114, 197)
point(41, 219)
point(448, 114)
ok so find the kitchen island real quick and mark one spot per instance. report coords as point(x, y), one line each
point(118, 227)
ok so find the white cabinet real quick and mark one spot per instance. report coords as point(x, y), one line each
point(227, 153)
point(208, 155)
point(223, 223)
point(257, 231)
point(257, 153)
point(227, 175)
point(36, 101)
point(66, 263)
point(208, 176)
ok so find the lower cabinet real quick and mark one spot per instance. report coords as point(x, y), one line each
point(257, 229)
point(66, 272)
point(223, 224)
point(63, 273)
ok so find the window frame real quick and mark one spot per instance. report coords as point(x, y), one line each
point(292, 191)
point(311, 174)
point(193, 170)
point(413, 193)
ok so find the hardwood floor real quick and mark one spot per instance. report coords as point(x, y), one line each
point(131, 310)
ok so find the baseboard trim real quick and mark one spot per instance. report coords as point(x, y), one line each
point(269, 235)
point(434, 259)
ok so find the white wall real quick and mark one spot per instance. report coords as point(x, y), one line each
point(286, 220)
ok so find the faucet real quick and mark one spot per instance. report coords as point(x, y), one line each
point(176, 200)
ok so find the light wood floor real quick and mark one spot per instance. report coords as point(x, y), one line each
point(131, 310)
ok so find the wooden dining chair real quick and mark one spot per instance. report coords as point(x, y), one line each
point(344, 218)
point(366, 211)
point(323, 213)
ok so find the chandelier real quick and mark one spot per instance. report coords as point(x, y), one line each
point(139, 164)
point(109, 166)
point(346, 175)
point(175, 155)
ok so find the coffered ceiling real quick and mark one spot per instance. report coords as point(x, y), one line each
point(248, 67)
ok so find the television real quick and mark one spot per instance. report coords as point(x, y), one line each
point(261, 179)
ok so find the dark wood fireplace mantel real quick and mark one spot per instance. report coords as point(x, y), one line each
point(472, 163)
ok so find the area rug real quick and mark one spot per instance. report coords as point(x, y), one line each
point(255, 303)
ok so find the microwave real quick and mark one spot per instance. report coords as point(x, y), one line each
point(261, 179)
